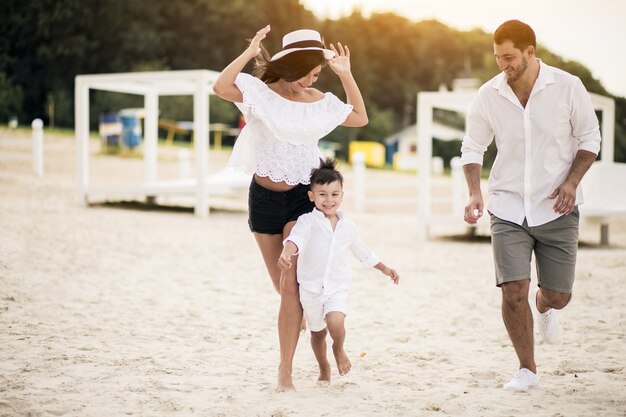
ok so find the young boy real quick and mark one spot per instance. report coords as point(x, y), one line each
point(321, 239)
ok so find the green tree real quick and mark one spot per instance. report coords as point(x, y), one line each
point(44, 44)
point(11, 97)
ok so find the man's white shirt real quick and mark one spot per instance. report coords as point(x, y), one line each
point(536, 144)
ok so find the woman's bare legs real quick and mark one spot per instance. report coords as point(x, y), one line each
point(271, 246)
point(290, 312)
point(268, 248)
point(271, 251)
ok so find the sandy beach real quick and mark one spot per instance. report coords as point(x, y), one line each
point(116, 311)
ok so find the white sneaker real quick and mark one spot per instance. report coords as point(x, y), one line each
point(548, 322)
point(522, 380)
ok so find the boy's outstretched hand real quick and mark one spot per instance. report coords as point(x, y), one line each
point(391, 273)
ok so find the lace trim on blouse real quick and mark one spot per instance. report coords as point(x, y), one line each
point(280, 138)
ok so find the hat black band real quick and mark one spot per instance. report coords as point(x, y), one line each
point(304, 44)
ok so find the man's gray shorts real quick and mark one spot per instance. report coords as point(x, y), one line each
point(555, 245)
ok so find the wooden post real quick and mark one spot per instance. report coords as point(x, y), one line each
point(358, 166)
point(424, 155)
point(184, 164)
point(201, 145)
point(81, 128)
point(37, 126)
point(604, 234)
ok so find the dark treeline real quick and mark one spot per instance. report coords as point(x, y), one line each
point(44, 44)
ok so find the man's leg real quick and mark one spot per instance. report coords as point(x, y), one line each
point(546, 303)
point(547, 299)
point(512, 250)
point(555, 254)
point(518, 321)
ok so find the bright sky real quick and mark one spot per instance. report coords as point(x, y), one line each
point(592, 32)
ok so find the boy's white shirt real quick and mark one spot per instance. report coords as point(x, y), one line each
point(323, 264)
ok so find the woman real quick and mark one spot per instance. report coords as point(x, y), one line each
point(285, 119)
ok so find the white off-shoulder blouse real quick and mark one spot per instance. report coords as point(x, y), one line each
point(280, 137)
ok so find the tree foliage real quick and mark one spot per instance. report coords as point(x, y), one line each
point(44, 44)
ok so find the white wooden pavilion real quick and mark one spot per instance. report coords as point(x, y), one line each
point(599, 208)
point(150, 85)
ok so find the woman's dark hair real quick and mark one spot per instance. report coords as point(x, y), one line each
point(290, 68)
point(326, 172)
point(521, 34)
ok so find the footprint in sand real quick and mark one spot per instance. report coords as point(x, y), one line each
point(572, 367)
point(595, 349)
point(613, 370)
point(483, 375)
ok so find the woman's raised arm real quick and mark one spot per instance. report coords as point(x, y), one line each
point(340, 65)
point(225, 85)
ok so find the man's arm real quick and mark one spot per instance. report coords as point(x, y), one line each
point(565, 193)
point(475, 204)
point(478, 137)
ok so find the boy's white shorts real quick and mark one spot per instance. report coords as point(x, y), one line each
point(316, 306)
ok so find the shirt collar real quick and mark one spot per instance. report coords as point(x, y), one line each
point(318, 214)
point(545, 77)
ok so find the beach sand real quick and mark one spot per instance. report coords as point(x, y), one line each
point(114, 311)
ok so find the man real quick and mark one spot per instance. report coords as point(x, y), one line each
point(547, 137)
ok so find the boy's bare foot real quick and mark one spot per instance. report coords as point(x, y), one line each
point(343, 362)
point(324, 373)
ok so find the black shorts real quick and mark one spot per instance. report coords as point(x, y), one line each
point(269, 211)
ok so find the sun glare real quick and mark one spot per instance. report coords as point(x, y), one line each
point(332, 9)
point(555, 23)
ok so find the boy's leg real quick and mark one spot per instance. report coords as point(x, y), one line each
point(335, 322)
point(318, 343)
point(313, 307)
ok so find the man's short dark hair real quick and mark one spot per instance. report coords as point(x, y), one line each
point(521, 34)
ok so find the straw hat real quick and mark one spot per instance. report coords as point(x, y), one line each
point(303, 40)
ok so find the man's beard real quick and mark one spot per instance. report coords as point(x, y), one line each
point(518, 72)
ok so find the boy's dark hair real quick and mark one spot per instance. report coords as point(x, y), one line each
point(326, 172)
point(521, 34)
